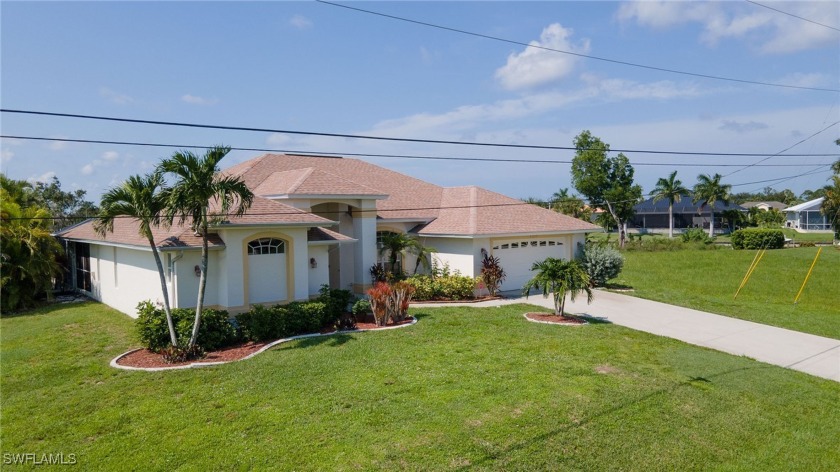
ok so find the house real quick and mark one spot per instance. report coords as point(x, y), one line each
point(315, 220)
point(806, 217)
point(766, 206)
point(653, 216)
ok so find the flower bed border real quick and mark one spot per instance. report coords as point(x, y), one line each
point(114, 361)
point(583, 321)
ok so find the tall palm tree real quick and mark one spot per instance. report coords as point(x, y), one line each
point(671, 189)
point(559, 277)
point(197, 182)
point(144, 199)
point(709, 190)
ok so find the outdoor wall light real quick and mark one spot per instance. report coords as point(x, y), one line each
point(197, 270)
point(313, 263)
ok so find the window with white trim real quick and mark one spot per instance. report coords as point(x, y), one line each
point(266, 246)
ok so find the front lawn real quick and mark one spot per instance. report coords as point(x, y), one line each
point(707, 280)
point(465, 388)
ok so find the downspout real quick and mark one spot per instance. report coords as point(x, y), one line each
point(173, 292)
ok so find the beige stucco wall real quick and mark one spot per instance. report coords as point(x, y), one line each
point(134, 277)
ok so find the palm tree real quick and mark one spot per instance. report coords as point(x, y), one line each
point(144, 199)
point(197, 182)
point(709, 190)
point(673, 190)
point(559, 277)
point(424, 256)
point(395, 244)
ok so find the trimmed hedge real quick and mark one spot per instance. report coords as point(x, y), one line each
point(758, 238)
point(264, 323)
point(216, 330)
point(445, 287)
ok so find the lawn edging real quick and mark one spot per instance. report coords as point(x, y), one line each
point(583, 321)
point(115, 361)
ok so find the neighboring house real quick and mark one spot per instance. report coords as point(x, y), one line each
point(807, 217)
point(653, 216)
point(315, 220)
point(766, 206)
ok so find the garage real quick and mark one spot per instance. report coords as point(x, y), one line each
point(267, 271)
point(517, 257)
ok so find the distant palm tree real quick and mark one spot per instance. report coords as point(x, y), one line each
point(559, 277)
point(709, 190)
point(671, 189)
point(142, 198)
point(197, 182)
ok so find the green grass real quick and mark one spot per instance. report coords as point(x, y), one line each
point(464, 389)
point(707, 280)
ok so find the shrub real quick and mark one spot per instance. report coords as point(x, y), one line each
point(424, 287)
point(380, 297)
point(401, 293)
point(758, 238)
point(361, 308)
point(696, 235)
point(444, 287)
point(807, 244)
point(305, 317)
point(602, 263)
point(216, 330)
point(492, 273)
point(336, 301)
point(280, 321)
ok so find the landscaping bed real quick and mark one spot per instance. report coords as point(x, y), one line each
point(554, 319)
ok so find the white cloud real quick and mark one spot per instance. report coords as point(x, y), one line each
point(300, 22)
point(771, 31)
point(277, 139)
point(741, 128)
point(534, 66)
point(87, 169)
point(196, 100)
point(6, 155)
point(110, 156)
point(45, 177)
point(115, 97)
point(58, 145)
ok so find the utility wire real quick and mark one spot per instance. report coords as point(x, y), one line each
point(791, 14)
point(785, 149)
point(401, 156)
point(604, 59)
point(380, 138)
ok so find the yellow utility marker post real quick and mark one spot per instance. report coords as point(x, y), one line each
point(807, 276)
point(753, 265)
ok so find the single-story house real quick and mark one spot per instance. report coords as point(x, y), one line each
point(316, 220)
point(766, 206)
point(807, 217)
point(653, 216)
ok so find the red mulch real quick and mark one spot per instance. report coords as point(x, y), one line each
point(552, 318)
point(145, 358)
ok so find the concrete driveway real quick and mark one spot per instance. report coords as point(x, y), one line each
point(807, 353)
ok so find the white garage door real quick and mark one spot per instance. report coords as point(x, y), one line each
point(266, 270)
point(517, 257)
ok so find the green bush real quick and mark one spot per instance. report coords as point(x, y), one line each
point(758, 238)
point(263, 323)
point(602, 263)
point(337, 302)
point(443, 287)
point(696, 235)
point(216, 330)
point(361, 307)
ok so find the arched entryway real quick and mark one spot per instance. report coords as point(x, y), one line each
point(267, 270)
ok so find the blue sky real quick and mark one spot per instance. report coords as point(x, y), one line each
point(315, 67)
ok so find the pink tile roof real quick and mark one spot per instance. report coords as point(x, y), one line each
point(456, 211)
point(325, 235)
point(311, 181)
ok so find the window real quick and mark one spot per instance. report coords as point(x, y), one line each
point(266, 246)
point(505, 246)
point(514, 245)
point(543, 243)
point(83, 267)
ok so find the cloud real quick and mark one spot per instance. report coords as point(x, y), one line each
point(110, 156)
point(196, 100)
point(6, 155)
point(87, 169)
point(300, 22)
point(45, 177)
point(277, 139)
point(772, 32)
point(58, 145)
point(741, 128)
point(799, 79)
point(534, 66)
point(115, 97)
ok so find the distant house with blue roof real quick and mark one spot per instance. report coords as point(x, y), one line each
point(653, 216)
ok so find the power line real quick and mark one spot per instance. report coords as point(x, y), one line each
point(791, 14)
point(785, 149)
point(604, 59)
point(401, 156)
point(379, 138)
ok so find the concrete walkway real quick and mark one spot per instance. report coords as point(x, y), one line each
point(807, 353)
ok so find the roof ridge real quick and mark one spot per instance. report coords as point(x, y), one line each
point(307, 171)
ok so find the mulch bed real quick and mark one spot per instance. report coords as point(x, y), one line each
point(145, 358)
point(552, 318)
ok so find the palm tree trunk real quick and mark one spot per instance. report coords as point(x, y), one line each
point(562, 304)
point(172, 336)
point(202, 283)
point(712, 224)
point(671, 220)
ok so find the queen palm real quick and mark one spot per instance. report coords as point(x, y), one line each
point(559, 277)
point(395, 244)
point(197, 182)
point(142, 198)
point(671, 189)
point(709, 190)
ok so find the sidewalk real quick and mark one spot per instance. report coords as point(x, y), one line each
point(807, 353)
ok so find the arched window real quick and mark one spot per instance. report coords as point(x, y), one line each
point(266, 246)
